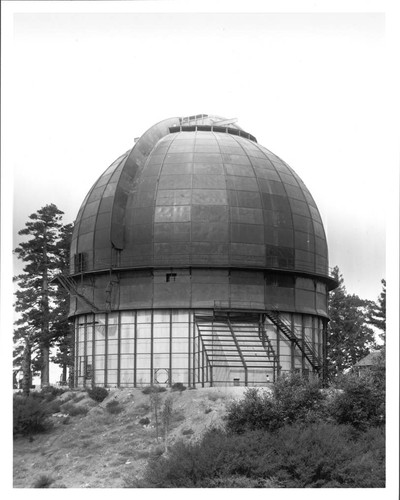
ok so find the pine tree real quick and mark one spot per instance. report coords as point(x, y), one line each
point(349, 336)
point(377, 313)
point(62, 329)
point(36, 295)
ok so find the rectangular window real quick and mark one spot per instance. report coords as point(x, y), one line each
point(127, 346)
point(127, 317)
point(161, 330)
point(144, 317)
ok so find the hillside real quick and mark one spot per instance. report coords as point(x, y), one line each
point(100, 449)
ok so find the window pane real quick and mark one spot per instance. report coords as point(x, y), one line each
point(161, 317)
point(127, 331)
point(143, 331)
point(127, 362)
point(161, 330)
point(127, 346)
point(144, 317)
point(126, 377)
point(113, 318)
point(143, 346)
point(180, 330)
point(99, 333)
point(161, 346)
point(128, 317)
point(112, 346)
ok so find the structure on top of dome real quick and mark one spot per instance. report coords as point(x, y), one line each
point(199, 218)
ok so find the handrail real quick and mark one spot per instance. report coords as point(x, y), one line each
point(307, 349)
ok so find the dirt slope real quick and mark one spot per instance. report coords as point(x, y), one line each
point(104, 450)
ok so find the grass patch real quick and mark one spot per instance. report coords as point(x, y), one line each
point(43, 481)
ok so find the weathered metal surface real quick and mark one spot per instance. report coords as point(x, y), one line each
point(200, 198)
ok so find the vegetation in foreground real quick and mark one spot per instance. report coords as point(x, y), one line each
point(295, 456)
point(298, 437)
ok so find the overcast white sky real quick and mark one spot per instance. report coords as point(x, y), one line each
point(310, 87)
point(314, 88)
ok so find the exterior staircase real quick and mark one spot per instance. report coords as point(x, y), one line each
point(236, 341)
point(305, 347)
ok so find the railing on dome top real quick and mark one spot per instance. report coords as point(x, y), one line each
point(212, 128)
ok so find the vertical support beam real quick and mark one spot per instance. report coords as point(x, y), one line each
point(93, 350)
point(135, 352)
point(193, 330)
point(189, 351)
point(278, 351)
point(239, 351)
point(119, 349)
point(292, 350)
point(199, 367)
point(106, 350)
point(151, 347)
point(303, 358)
point(76, 367)
point(202, 367)
point(84, 352)
point(170, 349)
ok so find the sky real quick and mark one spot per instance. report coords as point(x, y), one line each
point(308, 86)
point(314, 85)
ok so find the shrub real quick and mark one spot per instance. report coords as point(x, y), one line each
point(49, 392)
point(187, 432)
point(299, 399)
point(53, 407)
point(98, 394)
point(295, 456)
point(153, 388)
point(361, 403)
point(43, 481)
point(114, 407)
point(257, 410)
point(74, 411)
point(235, 481)
point(157, 451)
point(29, 415)
point(178, 386)
point(294, 399)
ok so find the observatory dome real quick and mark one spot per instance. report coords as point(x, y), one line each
point(200, 195)
point(199, 256)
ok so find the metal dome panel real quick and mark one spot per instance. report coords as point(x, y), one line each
point(195, 198)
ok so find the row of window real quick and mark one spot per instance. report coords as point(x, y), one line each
point(135, 360)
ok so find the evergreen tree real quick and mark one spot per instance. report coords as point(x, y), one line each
point(63, 331)
point(349, 336)
point(377, 313)
point(36, 297)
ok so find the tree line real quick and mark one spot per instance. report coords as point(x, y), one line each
point(42, 307)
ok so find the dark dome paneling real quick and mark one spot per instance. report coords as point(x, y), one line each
point(201, 198)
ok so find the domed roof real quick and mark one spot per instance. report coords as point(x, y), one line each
point(199, 192)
